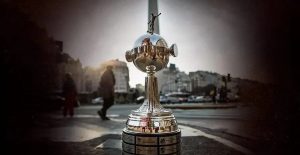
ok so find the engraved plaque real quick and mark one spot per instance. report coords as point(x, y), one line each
point(128, 148)
point(167, 140)
point(128, 138)
point(146, 140)
point(168, 149)
point(146, 150)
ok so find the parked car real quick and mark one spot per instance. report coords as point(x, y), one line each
point(191, 99)
point(163, 99)
point(233, 97)
point(208, 99)
point(199, 99)
point(98, 100)
point(174, 97)
point(140, 99)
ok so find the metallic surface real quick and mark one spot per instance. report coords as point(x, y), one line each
point(151, 129)
point(151, 54)
point(150, 50)
point(151, 117)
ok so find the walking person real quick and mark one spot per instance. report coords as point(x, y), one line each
point(70, 95)
point(107, 84)
point(213, 94)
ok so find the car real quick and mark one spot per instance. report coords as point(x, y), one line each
point(192, 99)
point(139, 99)
point(172, 99)
point(163, 99)
point(176, 97)
point(98, 100)
point(179, 96)
point(207, 99)
point(233, 97)
point(199, 99)
point(203, 99)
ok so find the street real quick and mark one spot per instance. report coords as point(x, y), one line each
point(208, 131)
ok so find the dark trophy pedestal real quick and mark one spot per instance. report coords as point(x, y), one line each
point(152, 144)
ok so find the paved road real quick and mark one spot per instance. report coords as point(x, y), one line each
point(234, 121)
point(124, 110)
point(208, 131)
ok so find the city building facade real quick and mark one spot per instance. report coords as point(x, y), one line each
point(170, 79)
point(202, 79)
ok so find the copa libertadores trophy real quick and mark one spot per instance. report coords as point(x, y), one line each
point(151, 129)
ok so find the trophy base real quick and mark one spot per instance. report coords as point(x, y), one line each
point(151, 144)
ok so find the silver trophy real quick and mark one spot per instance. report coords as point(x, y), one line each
point(151, 129)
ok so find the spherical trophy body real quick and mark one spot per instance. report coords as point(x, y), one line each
point(151, 129)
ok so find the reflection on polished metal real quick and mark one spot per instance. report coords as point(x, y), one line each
point(151, 129)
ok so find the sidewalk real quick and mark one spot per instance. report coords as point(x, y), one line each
point(87, 134)
point(91, 136)
point(190, 146)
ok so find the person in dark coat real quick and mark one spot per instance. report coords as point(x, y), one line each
point(214, 94)
point(70, 95)
point(107, 84)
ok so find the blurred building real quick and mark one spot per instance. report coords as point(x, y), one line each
point(170, 79)
point(92, 76)
point(91, 79)
point(67, 64)
point(202, 79)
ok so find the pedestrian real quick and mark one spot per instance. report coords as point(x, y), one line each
point(107, 84)
point(213, 94)
point(70, 95)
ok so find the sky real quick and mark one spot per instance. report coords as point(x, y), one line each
point(218, 36)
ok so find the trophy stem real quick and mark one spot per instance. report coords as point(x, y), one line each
point(151, 89)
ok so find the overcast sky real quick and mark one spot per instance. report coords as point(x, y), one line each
point(218, 36)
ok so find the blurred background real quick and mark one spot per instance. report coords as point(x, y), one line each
point(240, 52)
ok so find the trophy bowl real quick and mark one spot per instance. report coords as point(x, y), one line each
point(150, 50)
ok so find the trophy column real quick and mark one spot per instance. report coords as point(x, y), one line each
point(151, 129)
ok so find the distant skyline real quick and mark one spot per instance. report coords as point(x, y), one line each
point(215, 36)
